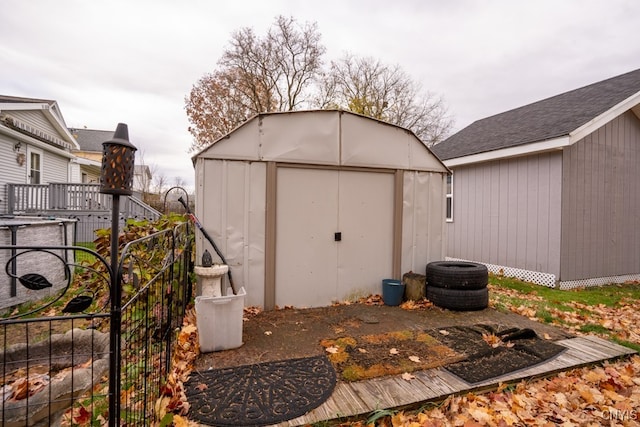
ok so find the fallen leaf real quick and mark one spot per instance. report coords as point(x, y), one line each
point(415, 359)
point(333, 349)
point(179, 421)
point(20, 389)
point(394, 351)
point(189, 329)
point(202, 387)
point(268, 332)
point(444, 332)
point(547, 336)
point(362, 350)
point(81, 416)
point(492, 339)
point(407, 376)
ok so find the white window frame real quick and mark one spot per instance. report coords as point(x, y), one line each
point(449, 198)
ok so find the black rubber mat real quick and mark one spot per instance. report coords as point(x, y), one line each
point(520, 349)
point(261, 394)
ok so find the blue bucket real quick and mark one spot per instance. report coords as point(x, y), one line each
point(392, 291)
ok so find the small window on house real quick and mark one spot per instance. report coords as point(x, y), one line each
point(35, 167)
point(449, 216)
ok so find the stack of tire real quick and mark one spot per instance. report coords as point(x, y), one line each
point(457, 285)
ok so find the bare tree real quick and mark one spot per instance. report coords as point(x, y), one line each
point(282, 71)
point(366, 86)
point(277, 72)
point(159, 183)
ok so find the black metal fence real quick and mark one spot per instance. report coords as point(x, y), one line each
point(55, 353)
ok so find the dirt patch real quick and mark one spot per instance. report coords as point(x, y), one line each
point(391, 353)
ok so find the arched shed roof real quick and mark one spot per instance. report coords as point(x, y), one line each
point(324, 137)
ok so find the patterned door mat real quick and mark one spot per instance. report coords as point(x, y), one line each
point(261, 394)
point(493, 351)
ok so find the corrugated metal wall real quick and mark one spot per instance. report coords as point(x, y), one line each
point(601, 204)
point(423, 228)
point(234, 216)
point(507, 213)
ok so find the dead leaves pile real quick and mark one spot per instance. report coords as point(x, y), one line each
point(376, 299)
point(590, 396)
point(620, 321)
point(604, 395)
point(173, 401)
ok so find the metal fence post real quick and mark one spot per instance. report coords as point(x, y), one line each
point(116, 320)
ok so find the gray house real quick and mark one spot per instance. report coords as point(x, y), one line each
point(550, 192)
point(35, 145)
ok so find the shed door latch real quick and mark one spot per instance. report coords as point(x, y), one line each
point(337, 236)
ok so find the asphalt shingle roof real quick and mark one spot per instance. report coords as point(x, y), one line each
point(90, 139)
point(19, 99)
point(546, 119)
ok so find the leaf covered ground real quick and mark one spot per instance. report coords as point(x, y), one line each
point(603, 395)
point(600, 395)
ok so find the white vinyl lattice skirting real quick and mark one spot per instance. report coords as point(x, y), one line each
point(548, 279)
point(544, 279)
point(599, 281)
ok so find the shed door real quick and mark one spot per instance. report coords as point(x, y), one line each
point(314, 266)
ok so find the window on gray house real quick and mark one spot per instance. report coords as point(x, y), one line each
point(449, 216)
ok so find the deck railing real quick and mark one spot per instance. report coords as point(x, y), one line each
point(32, 198)
point(82, 202)
point(39, 198)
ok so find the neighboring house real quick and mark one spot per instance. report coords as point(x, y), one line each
point(90, 154)
point(35, 145)
point(550, 192)
point(142, 179)
point(311, 207)
point(42, 172)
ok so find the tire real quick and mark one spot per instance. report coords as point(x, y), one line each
point(459, 300)
point(457, 275)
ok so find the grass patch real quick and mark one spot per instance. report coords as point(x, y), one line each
point(545, 315)
point(607, 311)
point(82, 256)
point(591, 327)
point(627, 344)
point(609, 295)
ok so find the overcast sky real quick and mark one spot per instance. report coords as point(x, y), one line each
point(134, 61)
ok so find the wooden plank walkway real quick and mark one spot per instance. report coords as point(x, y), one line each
point(363, 397)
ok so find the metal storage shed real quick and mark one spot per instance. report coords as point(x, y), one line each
point(312, 207)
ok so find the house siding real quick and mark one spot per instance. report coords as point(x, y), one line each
point(54, 168)
point(11, 170)
point(35, 119)
point(507, 213)
point(601, 207)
